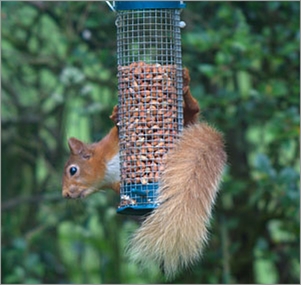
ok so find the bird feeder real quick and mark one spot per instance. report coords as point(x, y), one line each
point(150, 91)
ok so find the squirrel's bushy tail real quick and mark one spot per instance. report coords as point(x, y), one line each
point(174, 234)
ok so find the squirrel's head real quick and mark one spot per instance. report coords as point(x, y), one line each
point(81, 177)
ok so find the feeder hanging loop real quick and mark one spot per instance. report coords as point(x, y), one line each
point(111, 6)
point(150, 91)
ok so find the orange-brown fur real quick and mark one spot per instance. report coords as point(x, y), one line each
point(91, 160)
point(174, 234)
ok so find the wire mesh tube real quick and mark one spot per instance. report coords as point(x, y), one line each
point(149, 101)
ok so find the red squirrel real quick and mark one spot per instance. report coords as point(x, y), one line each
point(174, 234)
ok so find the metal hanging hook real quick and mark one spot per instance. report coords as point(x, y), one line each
point(111, 6)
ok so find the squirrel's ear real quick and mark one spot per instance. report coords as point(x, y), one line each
point(76, 146)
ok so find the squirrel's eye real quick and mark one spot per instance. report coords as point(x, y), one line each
point(72, 170)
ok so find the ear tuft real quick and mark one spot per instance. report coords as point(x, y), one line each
point(76, 146)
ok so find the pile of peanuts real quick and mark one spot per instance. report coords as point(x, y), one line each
point(148, 119)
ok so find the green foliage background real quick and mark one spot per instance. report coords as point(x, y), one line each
point(59, 80)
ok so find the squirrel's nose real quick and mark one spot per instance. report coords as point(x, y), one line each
point(66, 195)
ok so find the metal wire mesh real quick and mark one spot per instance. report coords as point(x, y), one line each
point(150, 99)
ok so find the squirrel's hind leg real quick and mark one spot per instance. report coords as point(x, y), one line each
point(114, 115)
point(191, 106)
